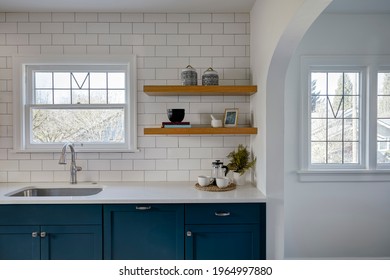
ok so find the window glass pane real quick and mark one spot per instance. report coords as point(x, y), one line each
point(61, 97)
point(98, 97)
point(116, 97)
point(44, 97)
point(335, 152)
point(318, 130)
point(78, 125)
point(80, 80)
point(351, 152)
point(98, 80)
point(351, 130)
point(61, 80)
point(318, 152)
point(383, 118)
point(43, 80)
point(80, 97)
point(116, 80)
point(335, 103)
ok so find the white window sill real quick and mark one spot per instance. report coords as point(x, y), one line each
point(344, 175)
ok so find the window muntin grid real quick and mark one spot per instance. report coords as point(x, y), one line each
point(383, 118)
point(78, 87)
point(335, 118)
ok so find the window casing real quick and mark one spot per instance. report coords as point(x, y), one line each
point(88, 101)
point(345, 103)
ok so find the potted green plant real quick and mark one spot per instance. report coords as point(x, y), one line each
point(240, 162)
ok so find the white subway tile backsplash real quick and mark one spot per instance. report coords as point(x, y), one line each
point(86, 17)
point(178, 17)
point(189, 164)
point(137, 176)
point(177, 40)
point(177, 175)
point(63, 17)
point(194, 17)
point(132, 17)
point(166, 28)
point(155, 153)
point(110, 176)
point(40, 39)
point(75, 27)
point(167, 142)
point(121, 27)
point(189, 51)
point(164, 44)
point(144, 28)
point(63, 39)
point(234, 28)
point(52, 27)
point(200, 153)
point(29, 27)
point(166, 164)
point(155, 17)
point(109, 17)
point(212, 28)
point(189, 28)
point(42, 176)
point(223, 17)
point(155, 176)
point(166, 51)
point(178, 153)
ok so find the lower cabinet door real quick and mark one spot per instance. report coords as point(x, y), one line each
point(73, 242)
point(222, 242)
point(19, 243)
point(144, 232)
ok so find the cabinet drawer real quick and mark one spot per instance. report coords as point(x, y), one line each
point(50, 214)
point(224, 213)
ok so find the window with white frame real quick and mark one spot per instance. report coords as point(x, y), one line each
point(89, 101)
point(345, 118)
point(335, 117)
point(383, 117)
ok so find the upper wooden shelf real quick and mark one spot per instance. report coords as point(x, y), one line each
point(175, 90)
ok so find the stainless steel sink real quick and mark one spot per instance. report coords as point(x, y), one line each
point(38, 191)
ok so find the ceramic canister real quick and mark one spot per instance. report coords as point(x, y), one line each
point(210, 77)
point(189, 77)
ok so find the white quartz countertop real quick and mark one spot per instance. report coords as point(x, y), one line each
point(134, 192)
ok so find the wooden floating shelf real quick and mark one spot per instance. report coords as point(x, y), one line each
point(200, 130)
point(179, 90)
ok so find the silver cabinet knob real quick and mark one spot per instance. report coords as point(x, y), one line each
point(222, 214)
point(34, 234)
point(143, 208)
point(43, 234)
point(189, 233)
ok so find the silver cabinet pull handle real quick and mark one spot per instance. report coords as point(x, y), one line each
point(43, 234)
point(222, 214)
point(189, 233)
point(34, 234)
point(143, 208)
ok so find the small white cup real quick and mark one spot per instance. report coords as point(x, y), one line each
point(223, 182)
point(204, 180)
point(216, 123)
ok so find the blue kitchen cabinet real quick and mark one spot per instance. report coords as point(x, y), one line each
point(144, 232)
point(225, 231)
point(55, 232)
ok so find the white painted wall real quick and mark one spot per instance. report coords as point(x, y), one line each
point(276, 29)
point(334, 220)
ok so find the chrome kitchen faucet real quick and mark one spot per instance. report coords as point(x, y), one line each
point(73, 167)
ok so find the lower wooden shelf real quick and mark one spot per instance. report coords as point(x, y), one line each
point(201, 130)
